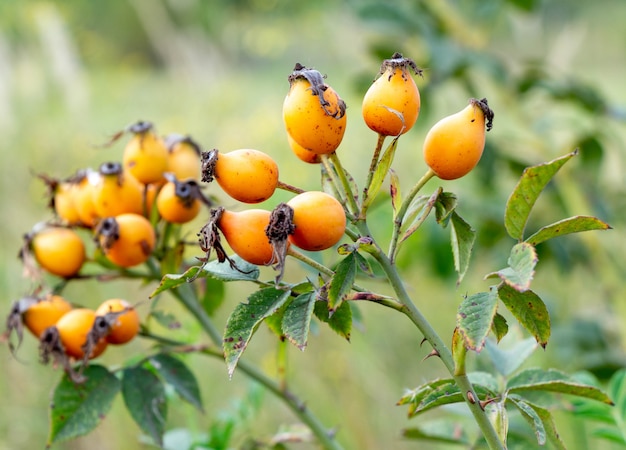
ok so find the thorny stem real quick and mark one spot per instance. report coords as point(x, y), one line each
point(413, 313)
point(325, 437)
point(397, 223)
point(462, 381)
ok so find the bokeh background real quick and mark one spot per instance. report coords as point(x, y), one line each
point(73, 73)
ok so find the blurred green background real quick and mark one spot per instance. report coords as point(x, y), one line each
point(73, 73)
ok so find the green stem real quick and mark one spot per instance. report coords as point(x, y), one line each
point(281, 364)
point(325, 437)
point(397, 223)
point(370, 174)
point(317, 266)
point(374, 162)
point(352, 206)
point(289, 188)
point(465, 386)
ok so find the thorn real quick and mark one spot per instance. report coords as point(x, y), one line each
point(485, 402)
point(434, 352)
point(471, 398)
point(423, 340)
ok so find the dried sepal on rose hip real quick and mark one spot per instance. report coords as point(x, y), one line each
point(392, 103)
point(116, 191)
point(180, 201)
point(247, 175)
point(126, 240)
point(313, 113)
point(209, 240)
point(278, 230)
point(79, 335)
point(120, 320)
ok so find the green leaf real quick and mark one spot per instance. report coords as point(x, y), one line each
point(521, 270)
point(297, 319)
point(567, 226)
point(553, 381)
point(342, 281)
point(529, 414)
point(446, 204)
point(144, 397)
point(177, 374)
point(475, 316)
point(533, 180)
point(384, 163)
point(541, 420)
point(445, 391)
point(442, 431)
point(462, 237)
point(499, 418)
point(363, 265)
point(416, 214)
point(340, 321)
point(244, 271)
point(529, 310)
point(77, 409)
point(508, 361)
point(499, 327)
point(617, 391)
point(245, 320)
point(213, 295)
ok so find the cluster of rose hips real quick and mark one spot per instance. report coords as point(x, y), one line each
point(159, 181)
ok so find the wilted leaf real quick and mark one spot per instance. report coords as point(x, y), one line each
point(77, 409)
point(144, 397)
point(521, 270)
point(177, 374)
point(462, 237)
point(567, 226)
point(533, 180)
point(475, 316)
point(245, 320)
point(529, 310)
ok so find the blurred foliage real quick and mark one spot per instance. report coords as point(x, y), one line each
point(72, 72)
